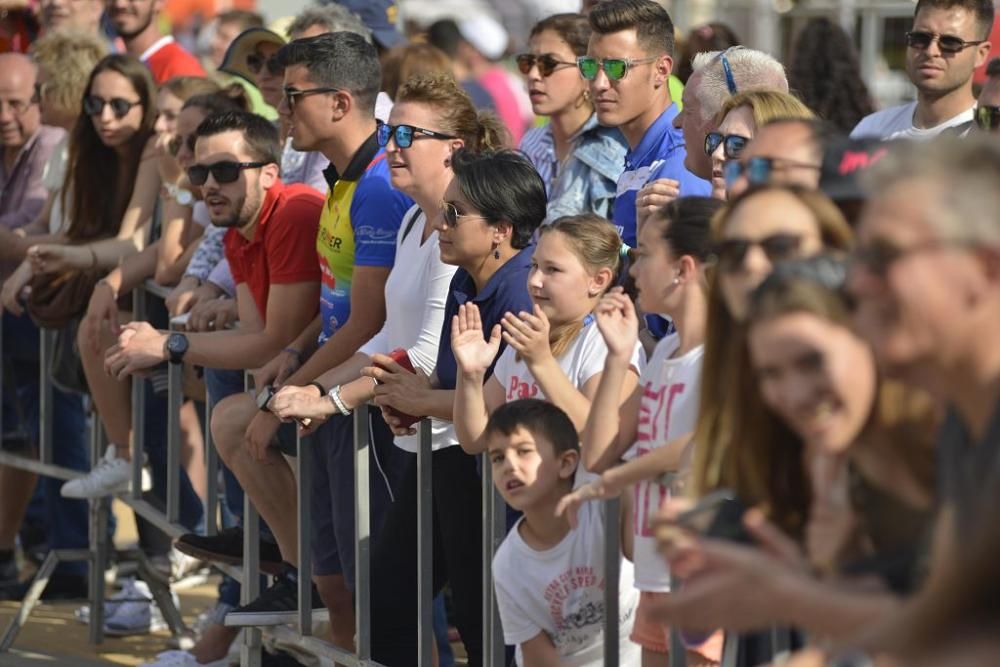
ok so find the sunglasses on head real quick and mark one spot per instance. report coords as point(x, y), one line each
point(547, 63)
point(94, 106)
point(731, 253)
point(256, 63)
point(614, 68)
point(405, 134)
point(988, 118)
point(727, 69)
point(225, 171)
point(919, 39)
point(732, 144)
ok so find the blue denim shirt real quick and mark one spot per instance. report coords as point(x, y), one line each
point(586, 182)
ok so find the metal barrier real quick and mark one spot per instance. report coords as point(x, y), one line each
point(494, 530)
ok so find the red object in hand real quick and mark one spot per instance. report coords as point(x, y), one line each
point(403, 359)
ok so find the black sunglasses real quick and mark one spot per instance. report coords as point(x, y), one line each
point(292, 94)
point(878, 256)
point(405, 134)
point(919, 39)
point(731, 253)
point(174, 146)
point(732, 144)
point(256, 62)
point(223, 172)
point(94, 106)
point(547, 63)
point(988, 118)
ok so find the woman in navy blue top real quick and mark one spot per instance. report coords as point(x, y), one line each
point(487, 220)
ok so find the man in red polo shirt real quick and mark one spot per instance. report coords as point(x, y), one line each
point(270, 247)
point(137, 23)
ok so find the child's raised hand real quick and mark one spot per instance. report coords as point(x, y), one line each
point(618, 323)
point(571, 502)
point(473, 352)
point(528, 334)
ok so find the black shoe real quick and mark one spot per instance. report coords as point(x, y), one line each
point(278, 605)
point(60, 587)
point(227, 547)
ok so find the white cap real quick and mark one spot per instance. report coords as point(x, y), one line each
point(486, 34)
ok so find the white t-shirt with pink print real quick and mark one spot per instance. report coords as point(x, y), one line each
point(671, 389)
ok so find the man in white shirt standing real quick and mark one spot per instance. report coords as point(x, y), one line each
point(949, 40)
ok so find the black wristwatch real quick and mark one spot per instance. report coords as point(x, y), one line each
point(177, 347)
point(264, 397)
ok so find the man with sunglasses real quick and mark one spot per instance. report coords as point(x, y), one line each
point(784, 152)
point(988, 105)
point(926, 277)
point(331, 84)
point(948, 41)
point(628, 64)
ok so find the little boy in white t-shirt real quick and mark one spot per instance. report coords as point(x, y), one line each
point(549, 576)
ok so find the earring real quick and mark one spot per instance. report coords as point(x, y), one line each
point(496, 251)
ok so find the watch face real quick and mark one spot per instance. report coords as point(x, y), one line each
point(184, 197)
point(177, 346)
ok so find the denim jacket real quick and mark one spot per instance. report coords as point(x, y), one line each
point(588, 178)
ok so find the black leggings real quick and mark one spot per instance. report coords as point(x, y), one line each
point(457, 544)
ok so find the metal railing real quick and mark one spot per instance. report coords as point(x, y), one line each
point(494, 530)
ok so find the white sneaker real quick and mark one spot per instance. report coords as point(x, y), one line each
point(182, 659)
point(126, 594)
point(111, 475)
point(138, 615)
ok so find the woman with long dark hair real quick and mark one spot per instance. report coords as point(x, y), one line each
point(826, 75)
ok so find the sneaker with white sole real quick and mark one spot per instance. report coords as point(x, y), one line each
point(138, 615)
point(182, 659)
point(111, 475)
point(127, 593)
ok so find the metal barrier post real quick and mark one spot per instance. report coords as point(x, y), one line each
point(250, 651)
point(425, 550)
point(303, 464)
point(494, 530)
point(612, 577)
point(212, 473)
point(98, 537)
point(46, 345)
point(175, 398)
point(362, 532)
point(138, 444)
point(678, 652)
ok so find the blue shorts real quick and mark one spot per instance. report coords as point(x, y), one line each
point(332, 499)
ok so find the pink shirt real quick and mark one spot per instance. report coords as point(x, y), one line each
point(497, 84)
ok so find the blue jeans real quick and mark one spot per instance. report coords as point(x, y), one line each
point(66, 519)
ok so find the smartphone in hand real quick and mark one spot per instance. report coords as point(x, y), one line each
point(718, 515)
point(401, 357)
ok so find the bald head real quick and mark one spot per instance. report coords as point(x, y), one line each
point(795, 150)
point(19, 114)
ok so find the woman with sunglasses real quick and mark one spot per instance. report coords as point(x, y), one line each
point(182, 225)
point(491, 210)
point(431, 119)
point(112, 177)
point(840, 458)
point(739, 119)
point(578, 159)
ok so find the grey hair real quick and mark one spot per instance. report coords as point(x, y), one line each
point(333, 17)
point(963, 176)
point(752, 70)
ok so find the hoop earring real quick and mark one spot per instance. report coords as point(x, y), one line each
point(584, 99)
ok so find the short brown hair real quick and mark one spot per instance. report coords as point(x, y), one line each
point(982, 9)
point(480, 130)
point(406, 61)
point(653, 27)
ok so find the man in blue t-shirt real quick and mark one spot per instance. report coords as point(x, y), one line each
point(628, 64)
